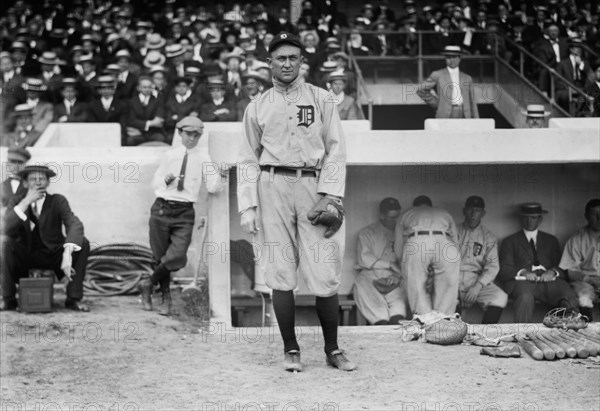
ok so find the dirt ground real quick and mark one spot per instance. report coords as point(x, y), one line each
point(118, 357)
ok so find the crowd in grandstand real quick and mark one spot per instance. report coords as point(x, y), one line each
point(147, 64)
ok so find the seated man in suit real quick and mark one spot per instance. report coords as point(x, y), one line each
point(218, 107)
point(454, 95)
point(146, 115)
point(107, 108)
point(34, 225)
point(529, 268)
point(479, 263)
point(581, 259)
point(70, 109)
point(377, 261)
point(181, 102)
point(576, 70)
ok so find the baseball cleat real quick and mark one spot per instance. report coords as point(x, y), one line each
point(337, 359)
point(291, 361)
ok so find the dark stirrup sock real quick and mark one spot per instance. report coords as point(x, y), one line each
point(492, 315)
point(328, 310)
point(160, 272)
point(285, 311)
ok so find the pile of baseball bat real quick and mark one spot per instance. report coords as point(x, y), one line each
point(558, 344)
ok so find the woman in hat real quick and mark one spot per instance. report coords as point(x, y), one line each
point(347, 107)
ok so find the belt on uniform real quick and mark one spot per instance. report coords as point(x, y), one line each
point(414, 233)
point(289, 171)
point(173, 203)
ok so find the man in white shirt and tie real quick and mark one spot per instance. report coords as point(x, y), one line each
point(450, 91)
point(177, 183)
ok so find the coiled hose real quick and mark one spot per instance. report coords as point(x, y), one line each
point(116, 269)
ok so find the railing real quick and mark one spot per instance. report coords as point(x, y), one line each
point(362, 94)
point(506, 63)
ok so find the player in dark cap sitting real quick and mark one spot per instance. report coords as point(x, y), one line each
point(177, 183)
point(34, 225)
point(378, 263)
point(479, 264)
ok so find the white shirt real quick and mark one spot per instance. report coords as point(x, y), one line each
point(530, 235)
point(199, 169)
point(14, 184)
point(143, 99)
point(69, 105)
point(123, 76)
point(457, 98)
point(8, 76)
point(575, 67)
point(90, 76)
point(181, 99)
point(219, 101)
point(106, 102)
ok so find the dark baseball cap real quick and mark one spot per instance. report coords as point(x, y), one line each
point(475, 201)
point(284, 38)
point(389, 204)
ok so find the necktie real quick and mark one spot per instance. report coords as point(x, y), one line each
point(575, 71)
point(536, 259)
point(182, 173)
point(68, 106)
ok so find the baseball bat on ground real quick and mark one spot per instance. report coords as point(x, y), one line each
point(560, 352)
point(568, 348)
point(531, 349)
point(548, 352)
point(590, 334)
point(584, 337)
point(584, 343)
point(582, 351)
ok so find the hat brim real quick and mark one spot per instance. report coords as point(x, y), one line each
point(536, 114)
point(542, 212)
point(177, 54)
point(35, 169)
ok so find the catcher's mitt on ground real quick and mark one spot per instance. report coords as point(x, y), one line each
point(565, 319)
point(327, 212)
point(383, 286)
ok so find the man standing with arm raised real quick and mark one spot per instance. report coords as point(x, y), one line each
point(292, 172)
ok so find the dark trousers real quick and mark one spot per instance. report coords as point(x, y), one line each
point(152, 135)
point(557, 293)
point(18, 259)
point(171, 227)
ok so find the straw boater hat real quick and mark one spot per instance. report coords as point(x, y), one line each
point(532, 209)
point(156, 69)
point(18, 155)
point(452, 51)
point(536, 110)
point(106, 81)
point(123, 53)
point(155, 41)
point(35, 84)
point(328, 66)
point(174, 50)
point(86, 58)
point(216, 84)
point(337, 75)
point(253, 74)
point(50, 57)
point(36, 168)
point(154, 58)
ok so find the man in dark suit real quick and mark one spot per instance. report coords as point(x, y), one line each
point(146, 115)
point(529, 267)
point(71, 109)
point(550, 49)
point(219, 107)
point(106, 108)
point(13, 186)
point(575, 70)
point(34, 225)
point(592, 89)
point(127, 81)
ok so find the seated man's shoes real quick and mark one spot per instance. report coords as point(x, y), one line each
point(8, 304)
point(76, 305)
point(145, 288)
point(291, 361)
point(337, 359)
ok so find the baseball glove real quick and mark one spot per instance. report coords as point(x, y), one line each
point(382, 285)
point(446, 331)
point(327, 212)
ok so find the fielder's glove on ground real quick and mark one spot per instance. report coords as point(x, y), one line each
point(327, 212)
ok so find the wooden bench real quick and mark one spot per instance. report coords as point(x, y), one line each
point(241, 304)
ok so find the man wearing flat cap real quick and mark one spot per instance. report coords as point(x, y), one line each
point(479, 263)
point(176, 184)
point(529, 267)
point(33, 225)
point(449, 90)
point(292, 167)
point(378, 262)
point(13, 185)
